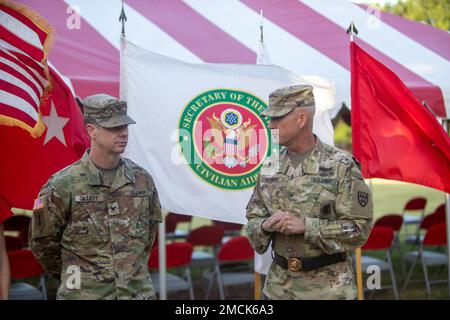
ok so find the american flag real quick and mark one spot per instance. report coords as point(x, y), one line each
point(25, 38)
point(38, 203)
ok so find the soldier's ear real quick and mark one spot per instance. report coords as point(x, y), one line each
point(302, 119)
point(90, 128)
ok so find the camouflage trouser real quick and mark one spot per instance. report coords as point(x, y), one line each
point(333, 282)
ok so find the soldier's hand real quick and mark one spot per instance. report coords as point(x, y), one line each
point(293, 224)
point(274, 223)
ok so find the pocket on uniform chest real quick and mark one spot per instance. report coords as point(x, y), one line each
point(302, 196)
point(274, 192)
point(310, 199)
point(326, 205)
point(88, 225)
point(138, 211)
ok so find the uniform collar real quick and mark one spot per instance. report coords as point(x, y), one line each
point(309, 165)
point(124, 174)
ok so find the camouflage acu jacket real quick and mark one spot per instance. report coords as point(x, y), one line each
point(103, 231)
point(328, 190)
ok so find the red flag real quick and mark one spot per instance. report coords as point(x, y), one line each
point(27, 162)
point(5, 209)
point(394, 136)
point(41, 126)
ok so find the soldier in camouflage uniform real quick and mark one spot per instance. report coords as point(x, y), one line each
point(98, 216)
point(313, 207)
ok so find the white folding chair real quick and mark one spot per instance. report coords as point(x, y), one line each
point(239, 252)
point(436, 236)
point(178, 255)
point(381, 238)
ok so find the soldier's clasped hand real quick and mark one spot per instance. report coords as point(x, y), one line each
point(284, 222)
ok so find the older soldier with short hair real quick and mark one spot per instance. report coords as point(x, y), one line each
point(314, 208)
point(95, 221)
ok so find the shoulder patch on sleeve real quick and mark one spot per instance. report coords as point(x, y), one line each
point(362, 203)
point(363, 198)
point(42, 224)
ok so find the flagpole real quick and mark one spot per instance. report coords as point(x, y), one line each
point(261, 33)
point(257, 286)
point(447, 214)
point(123, 76)
point(123, 19)
point(162, 256)
point(446, 125)
point(359, 279)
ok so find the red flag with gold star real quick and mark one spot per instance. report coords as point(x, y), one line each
point(41, 125)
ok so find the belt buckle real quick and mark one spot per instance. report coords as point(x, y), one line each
point(294, 264)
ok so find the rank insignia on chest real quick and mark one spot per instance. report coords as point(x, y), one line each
point(113, 209)
point(363, 198)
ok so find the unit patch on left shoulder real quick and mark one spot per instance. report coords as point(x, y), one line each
point(363, 198)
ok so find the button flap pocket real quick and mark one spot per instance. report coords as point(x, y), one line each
point(311, 200)
point(98, 225)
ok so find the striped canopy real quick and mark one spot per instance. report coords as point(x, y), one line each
point(307, 37)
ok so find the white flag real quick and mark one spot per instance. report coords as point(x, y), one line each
point(198, 129)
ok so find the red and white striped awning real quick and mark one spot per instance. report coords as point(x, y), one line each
point(307, 37)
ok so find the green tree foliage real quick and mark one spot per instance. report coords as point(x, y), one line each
point(436, 13)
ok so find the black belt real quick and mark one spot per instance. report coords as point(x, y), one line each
point(308, 264)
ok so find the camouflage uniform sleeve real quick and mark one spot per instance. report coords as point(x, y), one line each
point(46, 229)
point(257, 213)
point(354, 214)
point(155, 211)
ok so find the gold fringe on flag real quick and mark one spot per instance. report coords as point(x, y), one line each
point(42, 24)
point(38, 128)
